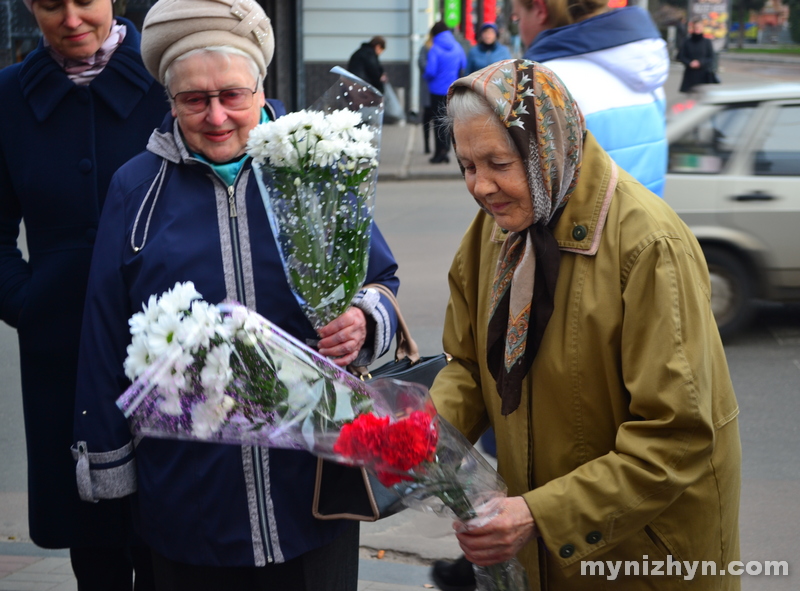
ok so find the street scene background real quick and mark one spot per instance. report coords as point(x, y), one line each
point(423, 218)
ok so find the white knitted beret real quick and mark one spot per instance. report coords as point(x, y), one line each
point(175, 27)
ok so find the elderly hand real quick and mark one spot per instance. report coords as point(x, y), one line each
point(502, 537)
point(694, 64)
point(343, 338)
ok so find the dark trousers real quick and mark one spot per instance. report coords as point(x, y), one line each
point(330, 568)
point(427, 127)
point(113, 569)
point(442, 135)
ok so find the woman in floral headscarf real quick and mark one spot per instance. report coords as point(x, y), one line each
point(580, 329)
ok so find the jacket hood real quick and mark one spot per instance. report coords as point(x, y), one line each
point(642, 65)
point(166, 142)
point(447, 41)
point(624, 41)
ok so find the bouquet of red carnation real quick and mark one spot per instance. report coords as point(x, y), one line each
point(431, 465)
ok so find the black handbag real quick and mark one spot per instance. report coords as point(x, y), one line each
point(347, 492)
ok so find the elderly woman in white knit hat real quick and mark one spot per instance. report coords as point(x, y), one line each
point(75, 110)
point(189, 209)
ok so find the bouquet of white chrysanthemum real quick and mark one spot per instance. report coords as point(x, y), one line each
point(224, 373)
point(317, 171)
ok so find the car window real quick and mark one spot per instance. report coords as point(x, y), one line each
point(707, 147)
point(780, 154)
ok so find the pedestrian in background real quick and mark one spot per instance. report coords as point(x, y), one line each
point(681, 33)
point(425, 94)
point(580, 327)
point(488, 50)
point(513, 32)
point(78, 107)
point(365, 64)
point(217, 517)
point(697, 56)
point(446, 62)
point(614, 63)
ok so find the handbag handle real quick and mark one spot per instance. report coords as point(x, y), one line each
point(406, 346)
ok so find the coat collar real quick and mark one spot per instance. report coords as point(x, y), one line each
point(122, 84)
point(581, 225)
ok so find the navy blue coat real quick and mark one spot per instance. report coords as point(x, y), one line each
point(59, 146)
point(198, 503)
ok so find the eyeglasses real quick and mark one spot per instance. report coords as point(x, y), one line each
point(197, 101)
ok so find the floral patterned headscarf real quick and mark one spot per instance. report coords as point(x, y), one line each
point(547, 128)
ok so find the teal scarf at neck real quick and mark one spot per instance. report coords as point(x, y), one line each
point(228, 171)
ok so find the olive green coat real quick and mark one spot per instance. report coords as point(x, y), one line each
point(626, 443)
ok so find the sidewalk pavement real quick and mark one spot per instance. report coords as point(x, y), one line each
point(25, 567)
point(408, 544)
point(403, 158)
point(775, 58)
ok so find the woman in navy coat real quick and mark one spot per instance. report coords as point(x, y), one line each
point(75, 110)
point(216, 516)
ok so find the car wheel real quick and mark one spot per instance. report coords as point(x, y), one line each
point(731, 290)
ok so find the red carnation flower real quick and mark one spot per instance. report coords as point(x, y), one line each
point(392, 448)
point(363, 438)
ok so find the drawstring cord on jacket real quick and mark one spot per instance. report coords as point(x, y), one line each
point(160, 178)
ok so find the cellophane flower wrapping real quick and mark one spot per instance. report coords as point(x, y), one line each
point(224, 374)
point(317, 172)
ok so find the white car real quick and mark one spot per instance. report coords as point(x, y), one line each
point(734, 178)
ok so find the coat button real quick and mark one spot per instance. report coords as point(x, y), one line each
point(566, 551)
point(594, 537)
point(579, 232)
point(85, 165)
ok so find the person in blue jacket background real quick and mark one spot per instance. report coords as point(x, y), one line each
point(77, 108)
point(446, 62)
point(488, 49)
point(189, 209)
point(614, 63)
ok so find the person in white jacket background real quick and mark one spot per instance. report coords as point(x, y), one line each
point(614, 63)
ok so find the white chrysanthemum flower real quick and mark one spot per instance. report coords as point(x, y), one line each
point(362, 135)
point(329, 151)
point(208, 416)
point(233, 323)
point(326, 137)
point(170, 403)
point(293, 372)
point(141, 321)
point(138, 359)
point(179, 298)
point(197, 329)
point(162, 333)
point(343, 120)
point(216, 373)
